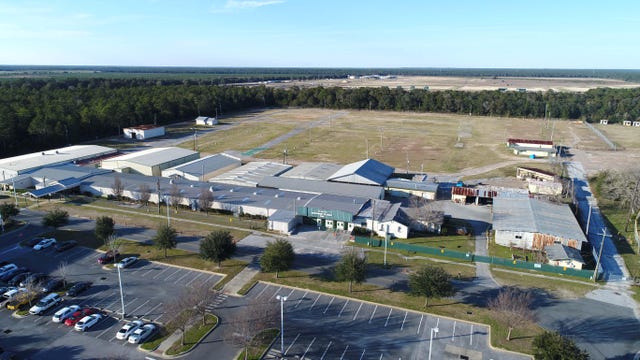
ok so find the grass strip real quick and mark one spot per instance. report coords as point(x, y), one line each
point(260, 345)
point(193, 335)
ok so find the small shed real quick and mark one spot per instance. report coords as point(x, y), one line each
point(143, 132)
point(283, 221)
point(626, 123)
point(565, 256)
point(636, 123)
point(604, 122)
point(206, 121)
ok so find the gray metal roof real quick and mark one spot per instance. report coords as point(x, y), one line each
point(400, 183)
point(312, 171)
point(367, 172)
point(350, 205)
point(562, 252)
point(153, 156)
point(36, 160)
point(209, 164)
point(251, 174)
point(535, 216)
point(321, 187)
point(282, 215)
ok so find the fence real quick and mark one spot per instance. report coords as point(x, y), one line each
point(471, 257)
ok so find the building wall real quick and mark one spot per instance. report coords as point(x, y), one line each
point(143, 134)
point(566, 263)
point(406, 192)
point(519, 239)
point(532, 152)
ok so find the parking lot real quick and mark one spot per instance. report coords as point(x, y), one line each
point(322, 326)
point(147, 287)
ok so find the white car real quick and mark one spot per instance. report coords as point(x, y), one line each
point(44, 244)
point(87, 322)
point(45, 303)
point(142, 334)
point(128, 329)
point(127, 261)
point(62, 314)
point(5, 269)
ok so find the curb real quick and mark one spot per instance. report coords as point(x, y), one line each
point(164, 354)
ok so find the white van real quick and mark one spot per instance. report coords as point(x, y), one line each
point(45, 303)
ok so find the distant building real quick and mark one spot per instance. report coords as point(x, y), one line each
point(532, 148)
point(604, 122)
point(206, 121)
point(143, 132)
point(150, 162)
point(404, 188)
point(626, 123)
point(205, 168)
point(565, 256)
point(365, 172)
point(636, 123)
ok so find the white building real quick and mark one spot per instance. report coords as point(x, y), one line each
point(150, 162)
point(206, 121)
point(143, 132)
point(205, 168)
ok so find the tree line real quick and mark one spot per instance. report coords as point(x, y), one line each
point(38, 114)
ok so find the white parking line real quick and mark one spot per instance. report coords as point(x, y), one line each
point(183, 276)
point(293, 342)
point(158, 318)
point(158, 274)
point(471, 336)
point(173, 273)
point(373, 313)
point(104, 298)
point(363, 351)
point(328, 305)
point(194, 279)
point(111, 303)
point(359, 307)
point(260, 293)
point(420, 324)
point(300, 300)
point(275, 293)
point(148, 272)
point(103, 332)
point(314, 303)
point(380, 358)
point(344, 352)
point(453, 334)
point(308, 347)
point(149, 312)
point(343, 306)
point(136, 309)
point(403, 320)
point(388, 316)
point(325, 350)
point(292, 290)
point(209, 278)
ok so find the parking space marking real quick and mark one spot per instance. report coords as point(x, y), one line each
point(209, 278)
point(149, 312)
point(453, 334)
point(148, 272)
point(328, 305)
point(363, 351)
point(293, 342)
point(111, 303)
point(300, 300)
point(104, 298)
point(420, 324)
point(158, 274)
point(344, 352)
point(308, 347)
point(380, 358)
point(325, 350)
point(359, 307)
point(173, 273)
point(373, 313)
point(86, 300)
point(194, 279)
point(143, 304)
point(403, 320)
point(275, 293)
point(182, 277)
point(471, 336)
point(103, 332)
point(292, 290)
point(388, 316)
point(260, 294)
point(343, 306)
point(314, 303)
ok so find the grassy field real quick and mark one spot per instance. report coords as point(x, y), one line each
point(556, 288)
point(427, 141)
point(625, 136)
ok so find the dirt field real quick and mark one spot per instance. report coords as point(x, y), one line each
point(468, 83)
point(434, 143)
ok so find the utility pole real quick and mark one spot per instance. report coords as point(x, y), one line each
point(595, 272)
point(588, 220)
point(158, 190)
point(366, 143)
point(121, 292)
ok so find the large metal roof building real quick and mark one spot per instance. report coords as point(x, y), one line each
point(251, 174)
point(365, 172)
point(150, 162)
point(13, 166)
point(322, 187)
point(312, 171)
point(204, 168)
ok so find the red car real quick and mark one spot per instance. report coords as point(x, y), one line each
point(78, 315)
point(109, 257)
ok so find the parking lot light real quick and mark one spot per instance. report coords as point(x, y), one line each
point(282, 300)
point(121, 292)
point(433, 330)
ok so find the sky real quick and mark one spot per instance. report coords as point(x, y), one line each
point(322, 33)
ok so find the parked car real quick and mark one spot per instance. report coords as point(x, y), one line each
point(127, 262)
point(15, 281)
point(11, 273)
point(108, 257)
point(128, 329)
point(45, 303)
point(12, 292)
point(51, 285)
point(6, 268)
point(62, 314)
point(34, 278)
point(78, 287)
point(66, 245)
point(142, 334)
point(20, 300)
point(73, 319)
point(87, 322)
point(43, 244)
point(33, 241)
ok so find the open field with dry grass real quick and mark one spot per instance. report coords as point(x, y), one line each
point(468, 83)
point(430, 142)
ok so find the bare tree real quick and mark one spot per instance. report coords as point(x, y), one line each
point(175, 196)
point(201, 293)
point(514, 307)
point(182, 307)
point(205, 199)
point(145, 194)
point(63, 270)
point(245, 325)
point(117, 188)
point(425, 212)
point(113, 245)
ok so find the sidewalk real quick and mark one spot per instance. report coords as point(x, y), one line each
point(242, 278)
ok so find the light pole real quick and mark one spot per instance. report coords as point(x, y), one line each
point(195, 139)
point(433, 330)
point(386, 240)
point(282, 300)
point(166, 199)
point(121, 293)
point(14, 191)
